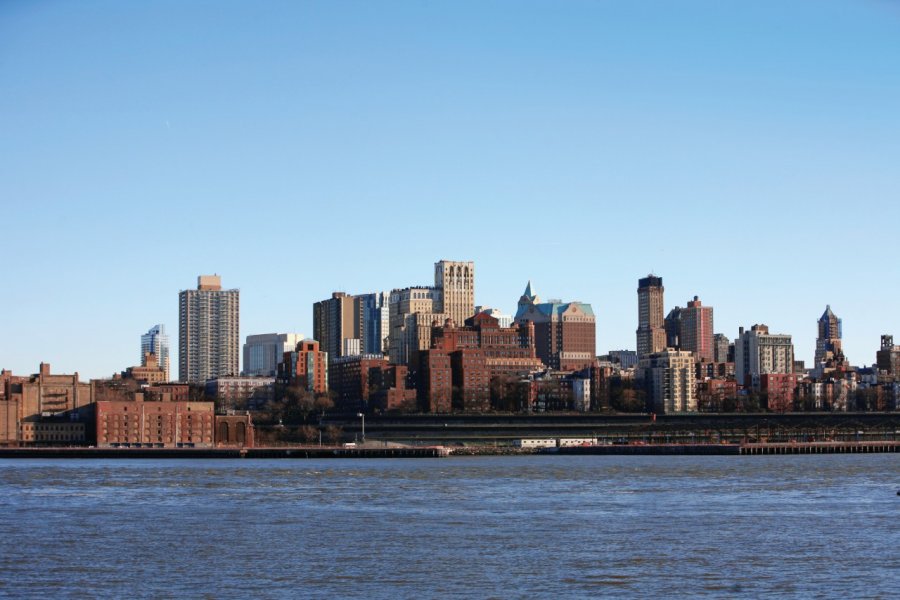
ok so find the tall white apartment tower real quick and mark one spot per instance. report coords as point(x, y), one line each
point(156, 342)
point(209, 343)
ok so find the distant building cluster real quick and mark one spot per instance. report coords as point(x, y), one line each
point(430, 349)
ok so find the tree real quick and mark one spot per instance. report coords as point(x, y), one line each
point(333, 434)
point(308, 434)
point(626, 397)
point(323, 401)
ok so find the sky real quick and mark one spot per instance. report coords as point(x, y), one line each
point(746, 152)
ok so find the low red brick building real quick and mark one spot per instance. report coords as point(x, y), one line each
point(713, 393)
point(780, 390)
point(139, 424)
point(235, 431)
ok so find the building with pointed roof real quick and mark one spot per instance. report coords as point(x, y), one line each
point(828, 340)
point(565, 332)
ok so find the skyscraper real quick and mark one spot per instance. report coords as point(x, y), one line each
point(828, 340)
point(457, 280)
point(335, 320)
point(208, 331)
point(374, 316)
point(651, 332)
point(696, 330)
point(156, 342)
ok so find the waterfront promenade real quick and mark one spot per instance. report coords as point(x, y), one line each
point(375, 450)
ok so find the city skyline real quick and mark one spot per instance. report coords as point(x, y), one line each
point(713, 146)
point(600, 348)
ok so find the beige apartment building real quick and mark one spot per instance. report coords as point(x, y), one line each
point(668, 377)
point(209, 341)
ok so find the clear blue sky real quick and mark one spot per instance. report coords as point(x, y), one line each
point(748, 153)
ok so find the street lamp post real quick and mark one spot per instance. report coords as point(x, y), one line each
point(363, 417)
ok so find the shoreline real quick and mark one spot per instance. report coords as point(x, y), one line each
point(311, 452)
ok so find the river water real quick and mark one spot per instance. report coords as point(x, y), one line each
point(480, 527)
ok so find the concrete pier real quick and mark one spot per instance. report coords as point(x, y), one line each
point(205, 453)
point(820, 448)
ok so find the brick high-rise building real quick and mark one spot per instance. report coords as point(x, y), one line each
point(651, 332)
point(348, 378)
point(305, 367)
point(565, 332)
point(696, 333)
point(208, 331)
point(463, 361)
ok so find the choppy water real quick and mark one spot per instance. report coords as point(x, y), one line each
point(579, 526)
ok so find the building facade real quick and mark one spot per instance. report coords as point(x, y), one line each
point(306, 367)
point(722, 349)
point(673, 328)
point(335, 320)
point(375, 322)
point(456, 279)
point(503, 319)
point(565, 332)
point(45, 408)
point(758, 352)
point(140, 424)
point(263, 353)
point(156, 342)
point(887, 358)
point(208, 331)
point(413, 310)
point(462, 362)
point(626, 359)
point(828, 338)
point(150, 371)
point(651, 331)
point(348, 378)
point(668, 377)
point(241, 393)
point(696, 330)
